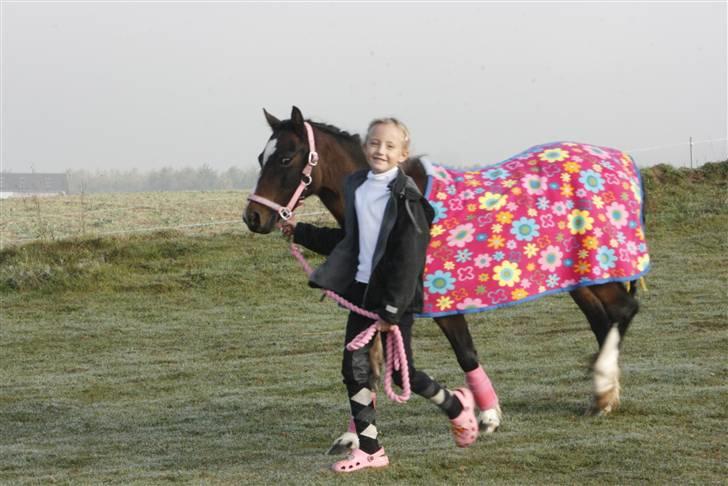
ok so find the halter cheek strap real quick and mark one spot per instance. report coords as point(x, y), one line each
point(285, 212)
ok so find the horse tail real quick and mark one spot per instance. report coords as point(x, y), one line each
point(632, 287)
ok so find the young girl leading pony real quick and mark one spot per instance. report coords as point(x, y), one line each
point(376, 261)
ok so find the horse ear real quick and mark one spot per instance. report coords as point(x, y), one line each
point(297, 119)
point(273, 122)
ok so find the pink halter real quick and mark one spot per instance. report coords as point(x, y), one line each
point(285, 212)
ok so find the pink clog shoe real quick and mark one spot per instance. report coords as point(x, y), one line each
point(465, 425)
point(358, 459)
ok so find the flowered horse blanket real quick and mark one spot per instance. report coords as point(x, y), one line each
point(555, 217)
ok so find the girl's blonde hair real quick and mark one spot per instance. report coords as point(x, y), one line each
point(391, 121)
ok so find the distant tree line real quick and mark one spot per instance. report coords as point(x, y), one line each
point(166, 179)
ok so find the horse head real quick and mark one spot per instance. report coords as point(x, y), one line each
point(282, 162)
point(287, 172)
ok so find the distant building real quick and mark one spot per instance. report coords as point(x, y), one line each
point(35, 184)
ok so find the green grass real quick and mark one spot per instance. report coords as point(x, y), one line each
point(171, 357)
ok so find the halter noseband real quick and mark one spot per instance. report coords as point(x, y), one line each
point(285, 212)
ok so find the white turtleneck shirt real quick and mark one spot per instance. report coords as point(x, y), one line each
point(370, 200)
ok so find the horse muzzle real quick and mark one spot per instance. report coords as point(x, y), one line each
point(259, 219)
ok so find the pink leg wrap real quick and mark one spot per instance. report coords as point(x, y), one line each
point(482, 389)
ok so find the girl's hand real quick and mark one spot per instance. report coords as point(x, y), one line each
point(384, 326)
point(287, 227)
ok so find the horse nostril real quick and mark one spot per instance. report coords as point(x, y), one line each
point(252, 219)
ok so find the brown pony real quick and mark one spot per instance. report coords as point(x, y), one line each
point(608, 307)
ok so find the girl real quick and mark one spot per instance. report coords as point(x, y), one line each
point(376, 261)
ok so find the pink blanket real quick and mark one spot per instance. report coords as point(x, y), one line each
point(555, 217)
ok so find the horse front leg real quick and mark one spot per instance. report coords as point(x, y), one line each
point(456, 330)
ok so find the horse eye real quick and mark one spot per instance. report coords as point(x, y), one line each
point(286, 161)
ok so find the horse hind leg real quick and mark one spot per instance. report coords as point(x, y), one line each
point(620, 307)
point(609, 310)
point(456, 330)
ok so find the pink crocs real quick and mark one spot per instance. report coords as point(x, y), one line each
point(358, 459)
point(465, 425)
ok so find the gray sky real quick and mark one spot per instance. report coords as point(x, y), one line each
point(146, 85)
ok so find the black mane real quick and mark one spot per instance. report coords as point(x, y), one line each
point(337, 132)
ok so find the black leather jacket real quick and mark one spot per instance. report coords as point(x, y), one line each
point(395, 285)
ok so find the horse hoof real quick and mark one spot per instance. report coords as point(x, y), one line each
point(604, 403)
point(489, 420)
point(344, 444)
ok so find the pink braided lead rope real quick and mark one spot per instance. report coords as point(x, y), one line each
point(396, 356)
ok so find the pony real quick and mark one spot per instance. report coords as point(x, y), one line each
point(592, 195)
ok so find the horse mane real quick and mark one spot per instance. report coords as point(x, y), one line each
point(349, 142)
point(337, 132)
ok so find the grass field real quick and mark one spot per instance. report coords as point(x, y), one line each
point(204, 358)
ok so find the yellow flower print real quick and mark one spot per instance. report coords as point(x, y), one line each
point(553, 155)
point(580, 222)
point(516, 190)
point(472, 208)
point(572, 167)
point(496, 241)
point(642, 262)
point(562, 225)
point(472, 183)
point(508, 183)
point(602, 218)
point(567, 190)
point(507, 274)
point(504, 217)
point(449, 265)
point(565, 177)
point(519, 294)
point(483, 277)
point(444, 303)
point(597, 168)
point(492, 201)
point(582, 267)
point(441, 196)
point(598, 202)
point(436, 230)
point(532, 212)
point(582, 254)
point(531, 267)
point(496, 228)
point(531, 250)
point(591, 243)
point(613, 243)
point(436, 244)
point(640, 234)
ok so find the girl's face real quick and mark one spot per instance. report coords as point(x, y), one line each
point(385, 147)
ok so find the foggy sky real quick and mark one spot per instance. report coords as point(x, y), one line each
point(146, 85)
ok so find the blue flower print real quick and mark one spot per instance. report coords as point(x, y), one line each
point(495, 174)
point(463, 256)
point(543, 203)
point(552, 280)
point(440, 211)
point(439, 282)
point(525, 229)
point(498, 256)
point(606, 257)
point(592, 180)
